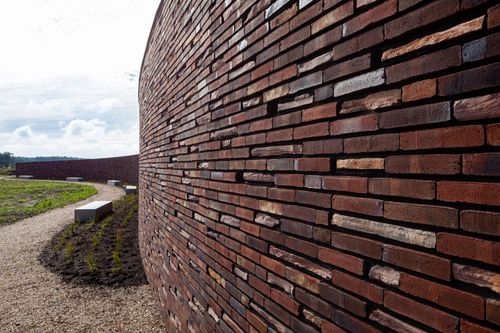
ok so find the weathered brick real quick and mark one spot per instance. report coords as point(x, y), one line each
point(435, 38)
point(277, 150)
point(372, 102)
point(385, 275)
point(482, 48)
point(477, 276)
point(387, 320)
point(482, 107)
point(402, 234)
point(360, 82)
point(361, 163)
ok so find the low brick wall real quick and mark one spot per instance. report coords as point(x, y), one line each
point(124, 168)
point(322, 165)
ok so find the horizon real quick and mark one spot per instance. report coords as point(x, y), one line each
point(69, 75)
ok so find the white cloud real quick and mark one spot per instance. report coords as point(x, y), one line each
point(68, 75)
point(78, 138)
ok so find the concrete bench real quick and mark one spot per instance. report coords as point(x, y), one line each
point(130, 189)
point(74, 179)
point(93, 211)
point(114, 182)
point(26, 177)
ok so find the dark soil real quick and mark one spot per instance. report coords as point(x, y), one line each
point(114, 263)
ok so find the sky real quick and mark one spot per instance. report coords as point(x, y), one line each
point(69, 74)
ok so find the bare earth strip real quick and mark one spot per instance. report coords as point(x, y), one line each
point(33, 299)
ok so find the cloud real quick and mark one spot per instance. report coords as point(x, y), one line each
point(78, 138)
point(70, 87)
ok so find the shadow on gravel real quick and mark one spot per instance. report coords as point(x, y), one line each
point(104, 253)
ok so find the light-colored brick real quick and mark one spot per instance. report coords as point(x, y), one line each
point(360, 82)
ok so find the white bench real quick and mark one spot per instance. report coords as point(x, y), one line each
point(74, 179)
point(93, 211)
point(114, 182)
point(26, 177)
point(130, 189)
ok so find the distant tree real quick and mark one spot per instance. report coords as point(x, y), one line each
point(6, 159)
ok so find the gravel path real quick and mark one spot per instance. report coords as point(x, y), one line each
point(33, 299)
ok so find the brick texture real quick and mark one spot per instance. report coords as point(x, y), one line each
point(322, 165)
point(124, 168)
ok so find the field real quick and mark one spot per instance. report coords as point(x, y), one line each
point(104, 252)
point(22, 199)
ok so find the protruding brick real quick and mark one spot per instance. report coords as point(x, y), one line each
point(482, 107)
point(360, 82)
point(402, 234)
point(477, 276)
point(385, 274)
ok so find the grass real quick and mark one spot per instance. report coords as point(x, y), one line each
point(22, 199)
point(7, 171)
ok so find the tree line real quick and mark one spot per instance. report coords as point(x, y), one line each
point(8, 159)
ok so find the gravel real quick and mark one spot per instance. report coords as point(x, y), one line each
point(33, 299)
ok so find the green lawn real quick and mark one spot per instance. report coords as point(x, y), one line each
point(22, 199)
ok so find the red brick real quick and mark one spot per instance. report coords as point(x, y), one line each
point(302, 246)
point(423, 164)
point(313, 302)
point(378, 13)
point(289, 180)
point(312, 164)
point(445, 296)
point(421, 17)
point(320, 112)
point(481, 222)
point(420, 90)
point(339, 259)
point(408, 188)
point(493, 134)
point(468, 247)
point(494, 17)
point(279, 135)
point(322, 41)
point(418, 261)
point(320, 147)
point(285, 301)
point(273, 265)
point(310, 131)
point(430, 63)
point(347, 67)
point(342, 299)
point(332, 17)
point(297, 228)
point(422, 214)
point(345, 184)
point(493, 311)
point(351, 323)
point(323, 200)
point(469, 192)
point(358, 43)
point(437, 319)
point(367, 206)
point(487, 164)
point(366, 247)
point(469, 327)
point(358, 286)
point(451, 137)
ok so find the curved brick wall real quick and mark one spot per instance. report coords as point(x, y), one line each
point(124, 168)
point(322, 165)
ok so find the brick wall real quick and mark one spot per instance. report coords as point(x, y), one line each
point(124, 168)
point(322, 166)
